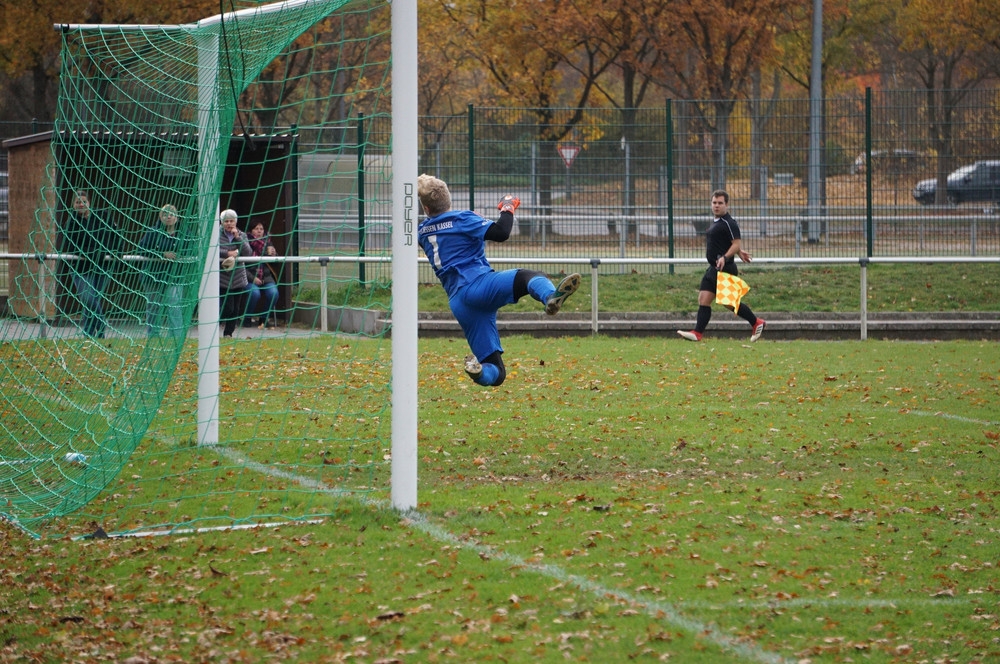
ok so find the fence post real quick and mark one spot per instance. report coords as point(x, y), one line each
point(622, 224)
point(323, 263)
point(361, 196)
point(534, 188)
point(627, 217)
point(763, 201)
point(594, 263)
point(869, 210)
point(864, 298)
point(670, 183)
point(472, 158)
point(42, 314)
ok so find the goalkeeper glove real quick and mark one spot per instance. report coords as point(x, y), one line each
point(508, 203)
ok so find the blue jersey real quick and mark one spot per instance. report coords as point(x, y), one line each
point(455, 245)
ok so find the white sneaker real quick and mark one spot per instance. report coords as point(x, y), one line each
point(565, 288)
point(472, 367)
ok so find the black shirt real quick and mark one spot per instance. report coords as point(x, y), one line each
point(719, 238)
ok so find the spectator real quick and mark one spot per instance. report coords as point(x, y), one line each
point(160, 244)
point(455, 244)
point(90, 238)
point(723, 245)
point(233, 286)
point(260, 277)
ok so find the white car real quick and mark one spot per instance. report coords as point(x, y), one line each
point(890, 161)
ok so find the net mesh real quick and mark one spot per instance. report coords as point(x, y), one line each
point(279, 112)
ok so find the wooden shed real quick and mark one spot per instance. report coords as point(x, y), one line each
point(259, 182)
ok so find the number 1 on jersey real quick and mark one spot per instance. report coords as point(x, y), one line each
point(435, 254)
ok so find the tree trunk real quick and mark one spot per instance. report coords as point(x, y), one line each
point(720, 142)
point(756, 138)
point(546, 164)
point(40, 84)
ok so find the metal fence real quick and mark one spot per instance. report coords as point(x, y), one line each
point(621, 184)
point(636, 183)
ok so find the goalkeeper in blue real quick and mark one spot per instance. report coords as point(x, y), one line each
point(455, 244)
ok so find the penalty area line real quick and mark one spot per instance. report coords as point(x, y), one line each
point(949, 416)
point(658, 610)
point(413, 518)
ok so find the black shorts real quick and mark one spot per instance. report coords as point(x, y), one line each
point(709, 279)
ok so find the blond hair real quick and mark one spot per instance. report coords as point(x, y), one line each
point(433, 194)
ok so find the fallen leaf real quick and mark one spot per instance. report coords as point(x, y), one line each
point(390, 615)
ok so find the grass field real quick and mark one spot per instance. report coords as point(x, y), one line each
point(831, 288)
point(614, 500)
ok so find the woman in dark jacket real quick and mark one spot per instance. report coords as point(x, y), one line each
point(233, 288)
point(263, 287)
point(87, 235)
point(161, 246)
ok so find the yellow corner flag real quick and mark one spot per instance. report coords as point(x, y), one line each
point(729, 290)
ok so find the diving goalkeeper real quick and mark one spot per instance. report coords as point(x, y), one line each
point(455, 244)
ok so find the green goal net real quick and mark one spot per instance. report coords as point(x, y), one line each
point(126, 404)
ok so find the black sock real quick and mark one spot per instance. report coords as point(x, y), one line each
point(704, 315)
point(746, 314)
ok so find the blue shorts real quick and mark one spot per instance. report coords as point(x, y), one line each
point(475, 308)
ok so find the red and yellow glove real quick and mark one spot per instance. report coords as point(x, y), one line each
point(508, 203)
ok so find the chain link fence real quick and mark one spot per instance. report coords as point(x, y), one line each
point(902, 173)
point(613, 183)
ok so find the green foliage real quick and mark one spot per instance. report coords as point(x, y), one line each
point(615, 499)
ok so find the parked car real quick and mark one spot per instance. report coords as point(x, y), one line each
point(890, 161)
point(978, 182)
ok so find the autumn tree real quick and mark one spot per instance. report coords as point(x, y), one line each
point(326, 77)
point(448, 81)
point(29, 52)
point(524, 50)
point(849, 27)
point(29, 44)
point(851, 30)
point(631, 55)
point(721, 45)
point(945, 63)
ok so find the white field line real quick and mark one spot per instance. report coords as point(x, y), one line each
point(655, 609)
point(826, 603)
point(949, 416)
point(207, 529)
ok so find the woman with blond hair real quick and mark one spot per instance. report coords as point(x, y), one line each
point(161, 247)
